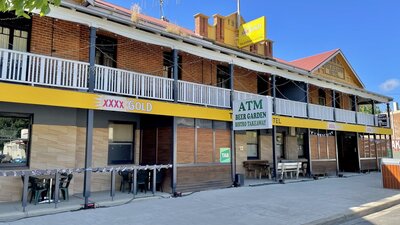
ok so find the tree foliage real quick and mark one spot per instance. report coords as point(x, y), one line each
point(368, 109)
point(24, 7)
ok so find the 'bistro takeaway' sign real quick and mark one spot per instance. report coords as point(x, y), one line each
point(252, 114)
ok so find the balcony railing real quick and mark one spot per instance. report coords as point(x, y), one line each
point(41, 70)
point(290, 108)
point(345, 116)
point(203, 94)
point(321, 112)
point(366, 119)
point(116, 81)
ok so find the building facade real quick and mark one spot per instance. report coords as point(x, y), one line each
point(162, 95)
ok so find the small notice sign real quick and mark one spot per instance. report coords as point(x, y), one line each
point(224, 155)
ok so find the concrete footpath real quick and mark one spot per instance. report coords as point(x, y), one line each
point(324, 201)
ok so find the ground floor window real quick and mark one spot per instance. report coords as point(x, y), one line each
point(15, 132)
point(120, 143)
point(252, 145)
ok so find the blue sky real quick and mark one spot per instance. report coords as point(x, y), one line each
point(367, 31)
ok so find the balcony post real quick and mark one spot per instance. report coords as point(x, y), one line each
point(233, 150)
point(89, 120)
point(308, 99)
point(175, 73)
point(356, 107)
point(334, 104)
point(390, 126)
point(275, 160)
point(373, 111)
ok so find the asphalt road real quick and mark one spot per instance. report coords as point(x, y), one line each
point(389, 216)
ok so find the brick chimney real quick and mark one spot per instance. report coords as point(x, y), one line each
point(268, 49)
point(219, 27)
point(201, 24)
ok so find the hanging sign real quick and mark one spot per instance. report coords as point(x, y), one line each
point(252, 114)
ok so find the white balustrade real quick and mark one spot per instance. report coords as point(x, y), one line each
point(240, 95)
point(35, 69)
point(116, 81)
point(365, 119)
point(194, 93)
point(290, 108)
point(321, 112)
point(345, 116)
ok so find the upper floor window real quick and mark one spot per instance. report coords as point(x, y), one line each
point(15, 132)
point(262, 84)
point(321, 97)
point(106, 51)
point(223, 77)
point(14, 32)
point(168, 65)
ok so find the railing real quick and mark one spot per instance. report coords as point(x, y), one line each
point(366, 119)
point(321, 112)
point(116, 81)
point(240, 95)
point(290, 108)
point(203, 94)
point(345, 116)
point(35, 69)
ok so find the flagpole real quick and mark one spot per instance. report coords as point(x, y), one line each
point(238, 14)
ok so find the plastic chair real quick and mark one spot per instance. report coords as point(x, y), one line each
point(159, 180)
point(125, 179)
point(142, 180)
point(38, 188)
point(64, 184)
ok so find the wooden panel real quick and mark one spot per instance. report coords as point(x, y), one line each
point(164, 145)
point(203, 177)
point(332, 147)
point(323, 167)
point(185, 151)
point(368, 164)
point(204, 145)
point(222, 140)
point(314, 146)
point(323, 148)
point(391, 176)
point(372, 147)
point(148, 146)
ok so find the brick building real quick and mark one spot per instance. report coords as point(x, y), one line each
point(161, 95)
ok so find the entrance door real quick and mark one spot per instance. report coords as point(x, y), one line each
point(347, 151)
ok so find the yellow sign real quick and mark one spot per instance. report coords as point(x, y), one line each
point(323, 125)
point(252, 32)
point(73, 99)
point(24, 94)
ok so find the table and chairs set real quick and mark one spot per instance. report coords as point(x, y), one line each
point(42, 187)
point(144, 180)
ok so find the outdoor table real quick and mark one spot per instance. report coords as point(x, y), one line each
point(46, 179)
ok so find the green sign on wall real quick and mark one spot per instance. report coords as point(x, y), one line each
point(224, 155)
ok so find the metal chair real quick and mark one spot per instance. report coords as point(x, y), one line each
point(142, 180)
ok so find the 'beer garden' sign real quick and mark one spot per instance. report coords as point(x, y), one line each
point(252, 114)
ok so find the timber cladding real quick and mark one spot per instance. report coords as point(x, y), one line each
point(197, 178)
point(323, 167)
point(368, 164)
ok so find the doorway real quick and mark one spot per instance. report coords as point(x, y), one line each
point(347, 152)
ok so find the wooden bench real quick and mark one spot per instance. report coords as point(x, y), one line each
point(289, 167)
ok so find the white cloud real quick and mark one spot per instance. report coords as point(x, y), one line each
point(390, 85)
